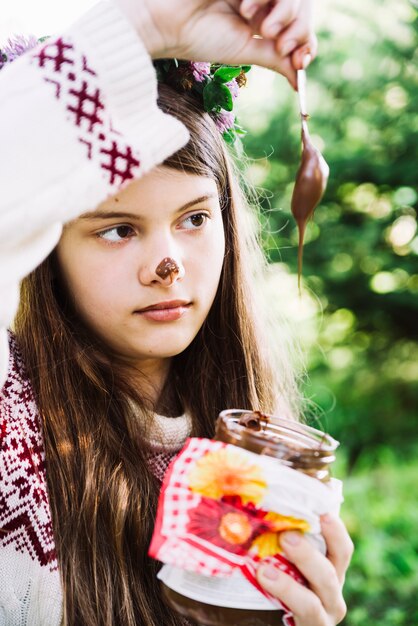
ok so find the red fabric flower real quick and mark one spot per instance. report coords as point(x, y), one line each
point(227, 523)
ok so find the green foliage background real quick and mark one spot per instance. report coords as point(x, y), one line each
point(357, 316)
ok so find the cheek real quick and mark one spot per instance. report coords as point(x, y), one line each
point(219, 253)
point(218, 260)
point(89, 280)
point(211, 259)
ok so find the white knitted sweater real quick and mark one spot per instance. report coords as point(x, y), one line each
point(78, 119)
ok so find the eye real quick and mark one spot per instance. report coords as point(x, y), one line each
point(195, 221)
point(116, 234)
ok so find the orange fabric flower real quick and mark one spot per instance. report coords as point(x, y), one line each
point(227, 472)
point(268, 544)
point(280, 523)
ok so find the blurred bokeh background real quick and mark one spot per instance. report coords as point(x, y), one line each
point(357, 317)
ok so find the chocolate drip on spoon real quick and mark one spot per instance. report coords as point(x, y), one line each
point(311, 178)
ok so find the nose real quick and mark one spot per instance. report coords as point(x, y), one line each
point(166, 272)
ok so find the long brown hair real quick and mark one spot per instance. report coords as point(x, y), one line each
point(102, 493)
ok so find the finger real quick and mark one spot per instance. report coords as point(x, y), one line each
point(258, 19)
point(339, 545)
point(304, 604)
point(302, 56)
point(299, 33)
point(249, 8)
point(262, 52)
point(280, 17)
point(318, 571)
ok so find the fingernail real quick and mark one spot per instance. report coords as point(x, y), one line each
point(326, 519)
point(291, 538)
point(306, 60)
point(249, 10)
point(270, 572)
point(287, 47)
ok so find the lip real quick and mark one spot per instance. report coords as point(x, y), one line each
point(167, 304)
point(167, 311)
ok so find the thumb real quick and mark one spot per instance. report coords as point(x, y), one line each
point(263, 52)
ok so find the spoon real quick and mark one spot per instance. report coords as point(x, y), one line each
point(312, 175)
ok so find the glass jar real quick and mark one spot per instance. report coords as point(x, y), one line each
point(295, 445)
point(234, 601)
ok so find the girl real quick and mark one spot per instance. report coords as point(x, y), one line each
point(137, 323)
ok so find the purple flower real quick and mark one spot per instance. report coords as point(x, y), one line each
point(225, 120)
point(233, 88)
point(15, 47)
point(200, 71)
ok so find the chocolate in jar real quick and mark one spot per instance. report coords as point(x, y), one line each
point(292, 444)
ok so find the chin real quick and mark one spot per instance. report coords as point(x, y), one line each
point(167, 353)
point(163, 350)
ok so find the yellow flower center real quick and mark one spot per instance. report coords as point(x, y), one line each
point(235, 528)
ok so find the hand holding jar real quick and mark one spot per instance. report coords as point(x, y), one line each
point(322, 603)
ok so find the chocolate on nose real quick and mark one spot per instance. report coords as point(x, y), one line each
point(167, 268)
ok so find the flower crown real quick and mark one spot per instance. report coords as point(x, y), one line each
point(215, 85)
point(17, 46)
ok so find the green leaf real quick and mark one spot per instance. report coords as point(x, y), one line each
point(239, 130)
point(229, 136)
point(217, 96)
point(246, 68)
point(226, 73)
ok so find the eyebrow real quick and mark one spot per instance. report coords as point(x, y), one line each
point(103, 215)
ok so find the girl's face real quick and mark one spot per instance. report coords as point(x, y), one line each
point(109, 262)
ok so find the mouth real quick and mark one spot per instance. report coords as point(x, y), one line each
point(167, 311)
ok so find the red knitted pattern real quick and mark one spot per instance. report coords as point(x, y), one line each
point(159, 462)
point(25, 516)
point(76, 86)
